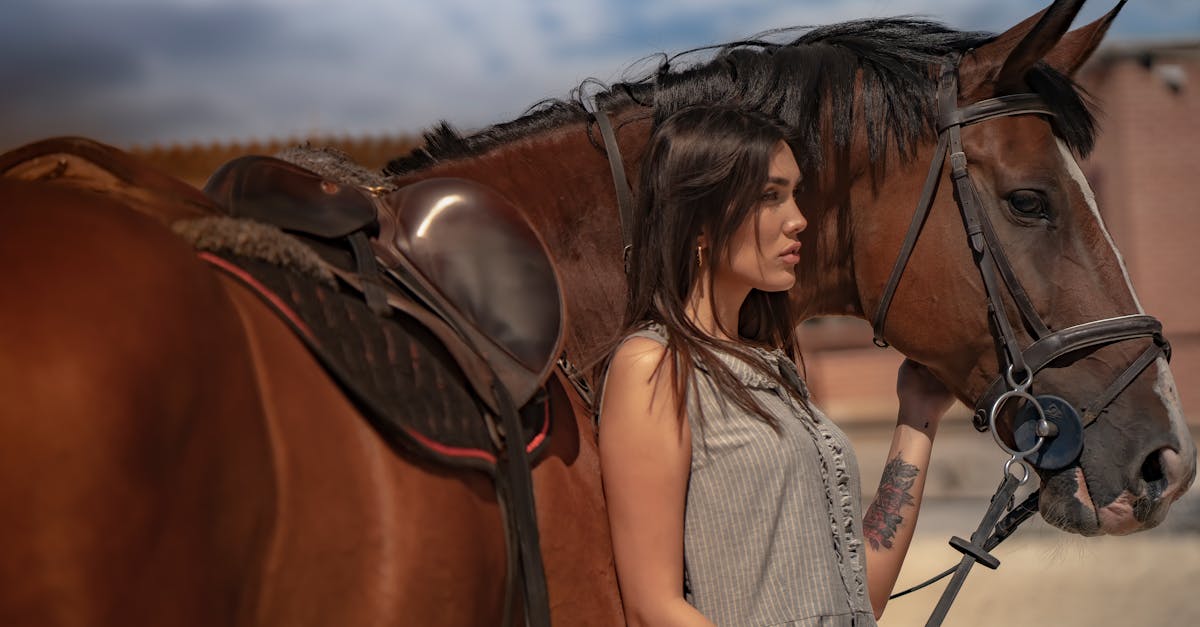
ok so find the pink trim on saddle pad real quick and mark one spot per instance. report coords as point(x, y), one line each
point(454, 451)
point(251, 282)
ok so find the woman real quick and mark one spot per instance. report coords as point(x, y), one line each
point(731, 499)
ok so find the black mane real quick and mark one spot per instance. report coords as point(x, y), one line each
point(795, 80)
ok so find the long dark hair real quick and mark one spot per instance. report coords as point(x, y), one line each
point(704, 172)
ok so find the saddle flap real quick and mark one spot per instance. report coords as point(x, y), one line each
point(476, 253)
point(274, 191)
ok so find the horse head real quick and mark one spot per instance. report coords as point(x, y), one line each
point(1054, 267)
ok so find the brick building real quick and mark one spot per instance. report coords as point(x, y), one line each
point(1145, 172)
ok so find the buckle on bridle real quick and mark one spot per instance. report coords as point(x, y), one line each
point(958, 165)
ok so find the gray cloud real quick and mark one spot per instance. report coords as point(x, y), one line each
point(134, 72)
point(142, 71)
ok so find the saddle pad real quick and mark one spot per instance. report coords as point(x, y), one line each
point(394, 370)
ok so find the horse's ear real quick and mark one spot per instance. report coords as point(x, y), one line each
point(1016, 50)
point(1079, 44)
point(1036, 44)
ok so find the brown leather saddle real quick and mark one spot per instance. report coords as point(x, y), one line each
point(457, 258)
point(459, 248)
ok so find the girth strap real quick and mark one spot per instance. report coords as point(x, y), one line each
point(514, 488)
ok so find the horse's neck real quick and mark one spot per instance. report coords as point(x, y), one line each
point(562, 183)
point(826, 283)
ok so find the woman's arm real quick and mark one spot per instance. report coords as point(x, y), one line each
point(645, 459)
point(892, 517)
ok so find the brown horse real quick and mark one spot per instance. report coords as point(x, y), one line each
point(174, 455)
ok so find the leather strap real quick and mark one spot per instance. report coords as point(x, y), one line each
point(1002, 531)
point(978, 541)
point(910, 240)
point(972, 212)
point(1152, 352)
point(368, 269)
point(516, 483)
point(1090, 334)
point(1034, 324)
point(1001, 106)
point(624, 194)
point(1084, 338)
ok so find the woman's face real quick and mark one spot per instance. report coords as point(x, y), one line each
point(764, 251)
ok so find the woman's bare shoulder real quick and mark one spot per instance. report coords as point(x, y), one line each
point(639, 382)
point(637, 355)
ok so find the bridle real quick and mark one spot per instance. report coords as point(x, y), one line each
point(1049, 430)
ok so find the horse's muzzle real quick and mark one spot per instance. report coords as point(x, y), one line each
point(1163, 476)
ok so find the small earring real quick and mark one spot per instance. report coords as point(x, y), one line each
point(699, 256)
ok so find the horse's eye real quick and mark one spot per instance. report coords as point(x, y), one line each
point(1027, 203)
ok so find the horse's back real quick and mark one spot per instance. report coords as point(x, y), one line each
point(127, 421)
point(86, 164)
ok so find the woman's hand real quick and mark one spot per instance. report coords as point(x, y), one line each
point(923, 398)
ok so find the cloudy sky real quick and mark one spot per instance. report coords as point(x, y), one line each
point(140, 72)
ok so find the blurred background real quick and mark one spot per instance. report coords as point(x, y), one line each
point(154, 72)
point(188, 84)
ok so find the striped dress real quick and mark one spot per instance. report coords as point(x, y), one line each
point(773, 521)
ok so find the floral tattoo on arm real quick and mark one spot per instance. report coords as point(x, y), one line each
point(883, 517)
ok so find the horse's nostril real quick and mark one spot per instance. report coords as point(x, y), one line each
point(1152, 473)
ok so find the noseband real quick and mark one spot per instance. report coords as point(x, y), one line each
point(1049, 431)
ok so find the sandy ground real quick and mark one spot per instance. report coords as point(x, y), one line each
point(1047, 577)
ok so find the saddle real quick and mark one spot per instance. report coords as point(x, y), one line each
point(459, 248)
point(459, 286)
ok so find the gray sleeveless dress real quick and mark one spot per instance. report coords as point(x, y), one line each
point(773, 521)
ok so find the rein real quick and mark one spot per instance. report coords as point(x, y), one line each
point(624, 194)
point(1051, 431)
